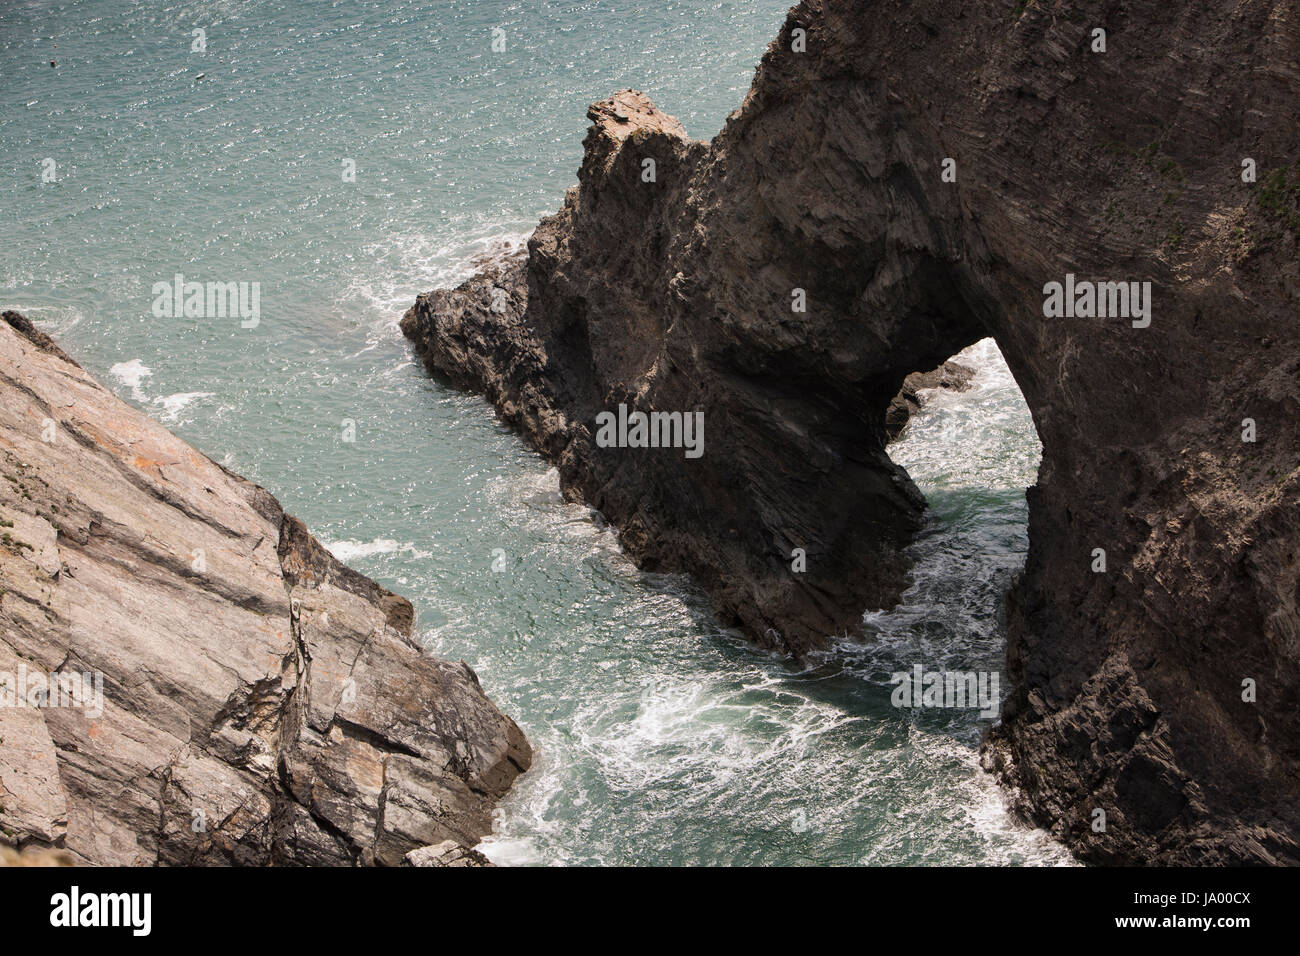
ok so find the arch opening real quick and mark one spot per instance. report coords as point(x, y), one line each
point(967, 439)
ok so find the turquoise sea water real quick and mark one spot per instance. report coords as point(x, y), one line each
point(660, 737)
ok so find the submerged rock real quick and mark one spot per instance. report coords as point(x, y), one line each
point(229, 692)
point(917, 177)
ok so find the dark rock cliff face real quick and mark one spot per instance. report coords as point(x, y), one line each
point(261, 702)
point(1124, 165)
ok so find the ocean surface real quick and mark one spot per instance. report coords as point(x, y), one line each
point(660, 737)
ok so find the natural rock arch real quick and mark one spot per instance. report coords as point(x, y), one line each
point(676, 294)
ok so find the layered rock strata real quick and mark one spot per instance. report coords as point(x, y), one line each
point(226, 692)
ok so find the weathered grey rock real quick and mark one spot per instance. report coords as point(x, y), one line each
point(262, 702)
point(446, 853)
point(1126, 165)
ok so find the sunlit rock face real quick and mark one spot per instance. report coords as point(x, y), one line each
point(188, 677)
point(914, 177)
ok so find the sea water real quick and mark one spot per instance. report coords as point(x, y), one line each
point(346, 155)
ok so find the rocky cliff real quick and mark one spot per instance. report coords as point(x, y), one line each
point(225, 691)
point(903, 179)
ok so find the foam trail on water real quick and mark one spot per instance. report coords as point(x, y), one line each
point(400, 267)
point(348, 551)
point(173, 405)
point(132, 374)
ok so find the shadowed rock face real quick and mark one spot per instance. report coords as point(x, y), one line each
point(1123, 165)
point(262, 703)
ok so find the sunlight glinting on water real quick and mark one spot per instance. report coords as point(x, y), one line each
point(660, 737)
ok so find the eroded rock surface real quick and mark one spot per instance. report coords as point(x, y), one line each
point(446, 853)
point(262, 702)
point(676, 293)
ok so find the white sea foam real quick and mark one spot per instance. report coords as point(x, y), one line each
point(173, 405)
point(347, 551)
point(399, 267)
point(132, 374)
